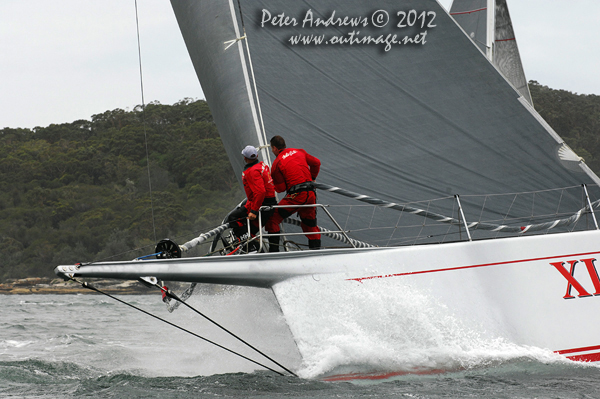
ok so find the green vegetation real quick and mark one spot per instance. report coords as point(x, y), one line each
point(79, 192)
point(575, 117)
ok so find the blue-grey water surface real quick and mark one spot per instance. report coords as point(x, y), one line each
point(63, 346)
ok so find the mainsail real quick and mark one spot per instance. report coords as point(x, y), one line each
point(488, 23)
point(392, 96)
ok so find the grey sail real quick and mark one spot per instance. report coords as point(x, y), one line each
point(206, 26)
point(506, 51)
point(424, 118)
point(472, 16)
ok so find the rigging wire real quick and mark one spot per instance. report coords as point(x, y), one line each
point(255, 88)
point(447, 219)
point(91, 287)
point(137, 25)
point(170, 294)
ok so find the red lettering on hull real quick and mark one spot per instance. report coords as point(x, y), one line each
point(573, 283)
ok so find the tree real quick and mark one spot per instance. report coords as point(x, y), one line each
point(79, 192)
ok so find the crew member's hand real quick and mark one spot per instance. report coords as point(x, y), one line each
point(251, 216)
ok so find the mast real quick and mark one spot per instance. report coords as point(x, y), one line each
point(491, 29)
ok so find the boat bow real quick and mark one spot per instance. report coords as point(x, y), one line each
point(255, 270)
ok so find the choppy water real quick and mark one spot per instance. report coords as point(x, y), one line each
point(61, 346)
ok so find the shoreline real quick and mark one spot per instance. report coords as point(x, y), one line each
point(46, 286)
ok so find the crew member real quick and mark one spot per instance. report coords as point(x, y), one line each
point(294, 171)
point(259, 189)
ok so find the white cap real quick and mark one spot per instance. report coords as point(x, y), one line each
point(250, 152)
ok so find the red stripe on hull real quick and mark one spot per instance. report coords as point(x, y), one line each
point(586, 357)
point(590, 357)
point(360, 279)
point(584, 349)
point(378, 376)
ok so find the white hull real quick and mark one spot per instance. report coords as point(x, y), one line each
point(507, 287)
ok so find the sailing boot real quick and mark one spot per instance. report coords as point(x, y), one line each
point(239, 232)
point(252, 246)
point(274, 244)
point(314, 244)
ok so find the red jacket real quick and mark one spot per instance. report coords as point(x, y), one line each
point(258, 185)
point(294, 166)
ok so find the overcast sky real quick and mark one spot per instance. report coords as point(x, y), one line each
point(63, 60)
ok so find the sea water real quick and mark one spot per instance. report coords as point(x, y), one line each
point(61, 346)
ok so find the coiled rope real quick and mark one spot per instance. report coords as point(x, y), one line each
point(203, 237)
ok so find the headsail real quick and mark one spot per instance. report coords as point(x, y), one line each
point(497, 41)
point(427, 116)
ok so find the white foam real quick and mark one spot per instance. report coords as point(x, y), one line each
point(14, 344)
point(386, 326)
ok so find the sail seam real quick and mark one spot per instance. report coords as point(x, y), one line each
point(468, 12)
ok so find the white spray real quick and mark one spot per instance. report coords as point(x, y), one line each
point(343, 326)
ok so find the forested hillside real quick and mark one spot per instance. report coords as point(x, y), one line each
point(575, 117)
point(79, 192)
